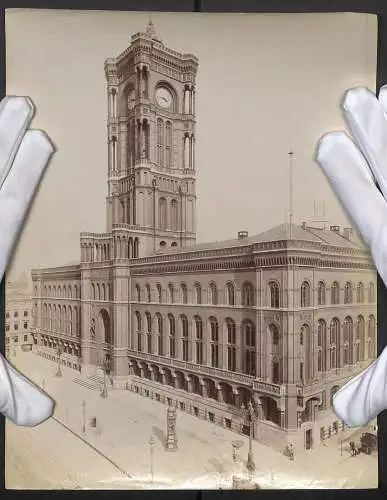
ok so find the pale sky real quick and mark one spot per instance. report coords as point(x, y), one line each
point(266, 84)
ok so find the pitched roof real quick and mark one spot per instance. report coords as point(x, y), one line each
point(282, 232)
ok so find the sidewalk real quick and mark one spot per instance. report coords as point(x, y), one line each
point(126, 421)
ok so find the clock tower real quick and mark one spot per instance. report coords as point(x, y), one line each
point(151, 144)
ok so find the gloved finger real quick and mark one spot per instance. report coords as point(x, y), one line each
point(382, 97)
point(368, 123)
point(15, 116)
point(20, 400)
point(349, 176)
point(19, 187)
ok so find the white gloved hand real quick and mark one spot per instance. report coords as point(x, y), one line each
point(354, 172)
point(24, 155)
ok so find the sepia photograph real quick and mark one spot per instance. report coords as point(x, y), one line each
point(187, 287)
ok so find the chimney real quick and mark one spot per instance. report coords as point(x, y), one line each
point(347, 233)
point(242, 235)
point(335, 229)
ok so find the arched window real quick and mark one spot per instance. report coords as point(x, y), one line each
point(249, 336)
point(60, 318)
point(198, 293)
point(148, 293)
point(70, 320)
point(360, 293)
point(231, 345)
point(148, 319)
point(136, 248)
point(348, 340)
point(160, 143)
point(171, 294)
point(304, 330)
point(306, 367)
point(321, 345)
point(348, 294)
point(64, 320)
point(334, 341)
point(213, 294)
point(305, 294)
point(184, 293)
point(274, 294)
point(163, 213)
point(335, 293)
point(77, 313)
point(138, 293)
point(371, 293)
point(184, 335)
point(168, 145)
point(321, 294)
point(139, 333)
point(199, 339)
point(54, 318)
point(360, 339)
point(159, 293)
point(214, 327)
point(172, 336)
point(230, 294)
point(174, 215)
point(160, 334)
point(247, 294)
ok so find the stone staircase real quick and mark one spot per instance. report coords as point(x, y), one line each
point(93, 382)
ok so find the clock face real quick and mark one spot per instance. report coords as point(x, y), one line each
point(163, 97)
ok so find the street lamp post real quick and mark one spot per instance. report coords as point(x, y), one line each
point(237, 468)
point(250, 417)
point(236, 446)
point(104, 393)
point(59, 353)
point(151, 444)
point(84, 417)
point(171, 442)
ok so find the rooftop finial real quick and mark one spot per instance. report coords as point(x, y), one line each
point(150, 30)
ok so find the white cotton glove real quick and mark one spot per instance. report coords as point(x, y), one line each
point(353, 171)
point(24, 155)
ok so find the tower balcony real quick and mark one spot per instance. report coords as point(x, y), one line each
point(121, 226)
point(143, 163)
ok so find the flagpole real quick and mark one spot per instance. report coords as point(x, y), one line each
point(291, 187)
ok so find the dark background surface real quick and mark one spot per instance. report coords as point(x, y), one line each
point(378, 7)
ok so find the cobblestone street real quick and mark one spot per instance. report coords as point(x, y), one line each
point(116, 452)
